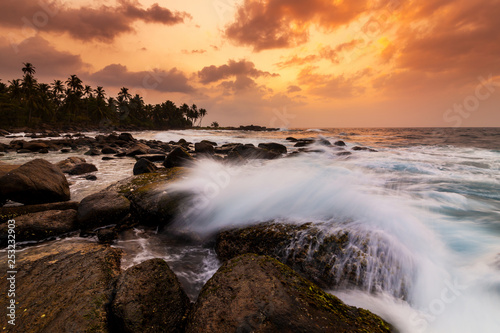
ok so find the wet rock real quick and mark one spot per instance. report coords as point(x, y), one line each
point(144, 166)
point(108, 158)
point(69, 163)
point(253, 293)
point(4, 132)
point(90, 177)
point(41, 225)
point(107, 236)
point(43, 151)
point(82, 168)
point(328, 258)
point(339, 143)
point(65, 150)
point(35, 182)
point(35, 146)
point(102, 208)
point(250, 152)
point(291, 139)
point(126, 137)
point(138, 149)
point(149, 298)
point(303, 142)
point(324, 142)
point(7, 213)
point(275, 147)
point(24, 151)
point(92, 152)
point(109, 150)
point(344, 153)
point(176, 158)
point(204, 148)
point(63, 286)
point(358, 148)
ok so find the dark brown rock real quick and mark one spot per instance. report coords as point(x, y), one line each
point(272, 146)
point(82, 168)
point(63, 286)
point(41, 225)
point(11, 212)
point(35, 182)
point(253, 293)
point(144, 166)
point(204, 148)
point(102, 208)
point(149, 298)
point(138, 149)
point(176, 158)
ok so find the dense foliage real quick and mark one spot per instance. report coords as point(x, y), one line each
point(26, 102)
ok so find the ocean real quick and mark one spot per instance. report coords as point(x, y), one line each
point(427, 201)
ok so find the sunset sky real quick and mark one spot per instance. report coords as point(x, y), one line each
point(274, 63)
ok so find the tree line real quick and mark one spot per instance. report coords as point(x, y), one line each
point(26, 102)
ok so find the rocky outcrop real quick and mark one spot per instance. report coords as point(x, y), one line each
point(275, 147)
point(35, 182)
point(41, 225)
point(7, 213)
point(204, 147)
point(69, 163)
point(102, 208)
point(149, 298)
point(328, 257)
point(63, 286)
point(253, 293)
point(6, 168)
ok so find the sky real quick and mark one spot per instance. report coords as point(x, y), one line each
point(274, 63)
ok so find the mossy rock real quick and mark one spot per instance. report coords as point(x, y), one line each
point(252, 293)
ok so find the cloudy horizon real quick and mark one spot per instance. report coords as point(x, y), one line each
point(274, 63)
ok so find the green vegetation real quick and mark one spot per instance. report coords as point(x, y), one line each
point(26, 102)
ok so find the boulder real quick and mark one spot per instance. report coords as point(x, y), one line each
point(144, 166)
point(82, 168)
point(275, 147)
point(35, 182)
point(303, 142)
point(63, 286)
point(250, 152)
point(339, 143)
point(34, 146)
point(138, 149)
point(107, 235)
point(328, 258)
point(176, 158)
point(109, 150)
point(41, 225)
point(204, 148)
point(102, 208)
point(7, 213)
point(92, 152)
point(149, 298)
point(126, 137)
point(253, 293)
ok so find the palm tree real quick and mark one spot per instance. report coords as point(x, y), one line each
point(28, 69)
point(202, 114)
point(57, 90)
point(74, 84)
point(124, 94)
point(87, 91)
point(15, 89)
point(99, 93)
point(215, 124)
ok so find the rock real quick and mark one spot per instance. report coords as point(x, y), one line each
point(11, 212)
point(176, 158)
point(138, 149)
point(102, 208)
point(144, 166)
point(303, 142)
point(126, 137)
point(24, 151)
point(82, 168)
point(43, 151)
point(63, 286)
point(34, 146)
point(69, 163)
point(339, 143)
point(108, 150)
point(253, 293)
point(93, 152)
point(65, 150)
point(324, 142)
point(152, 157)
point(358, 148)
point(291, 139)
point(276, 147)
point(107, 236)
point(328, 258)
point(204, 148)
point(90, 177)
point(149, 298)
point(4, 132)
point(251, 152)
point(107, 158)
point(41, 225)
point(35, 182)
point(213, 143)
point(344, 153)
